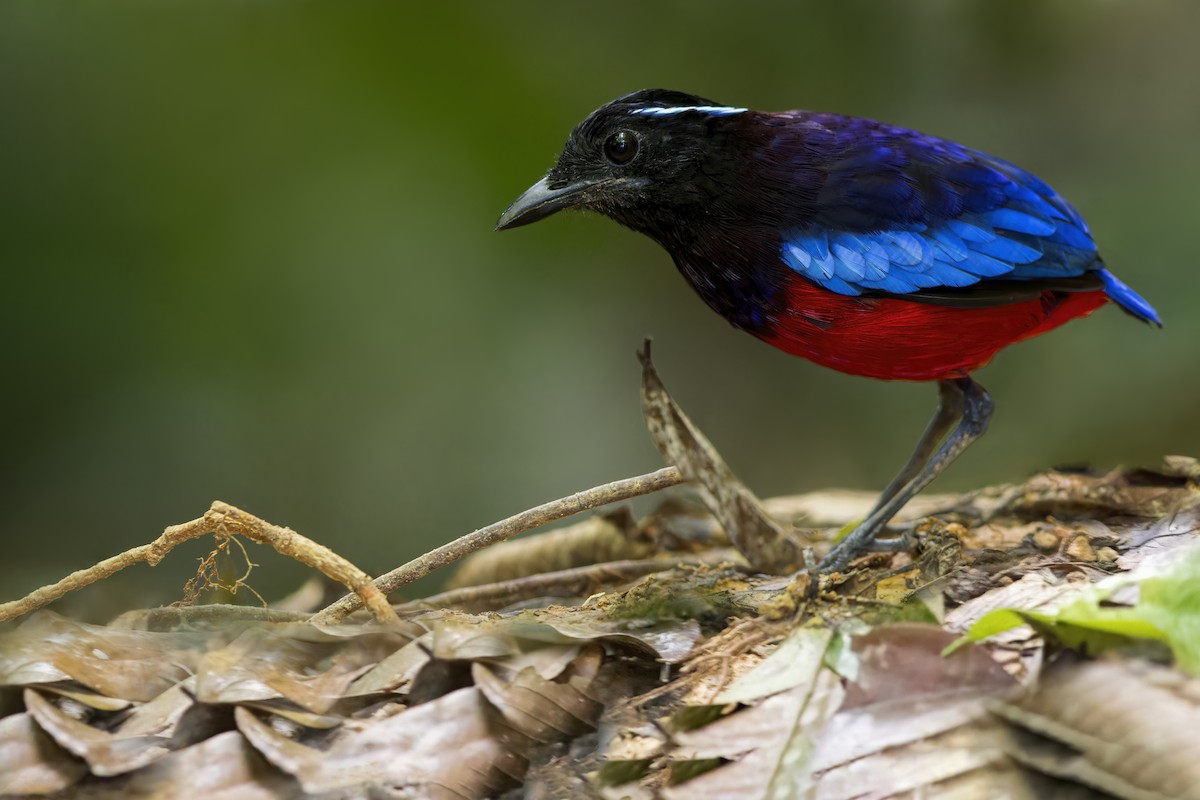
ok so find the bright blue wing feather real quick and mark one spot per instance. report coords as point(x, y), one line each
point(899, 212)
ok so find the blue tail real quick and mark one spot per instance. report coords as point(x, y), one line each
point(1128, 299)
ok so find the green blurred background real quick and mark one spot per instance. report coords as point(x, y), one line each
point(248, 254)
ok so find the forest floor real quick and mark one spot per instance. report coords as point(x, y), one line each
point(1037, 640)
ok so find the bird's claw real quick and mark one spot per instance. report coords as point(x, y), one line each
point(897, 544)
point(863, 541)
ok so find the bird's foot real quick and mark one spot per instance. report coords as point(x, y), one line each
point(862, 540)
point(895, 544)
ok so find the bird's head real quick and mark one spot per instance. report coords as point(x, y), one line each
point(646, 160)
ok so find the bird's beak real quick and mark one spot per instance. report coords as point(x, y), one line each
point(540, 201)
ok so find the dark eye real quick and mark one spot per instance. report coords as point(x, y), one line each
point(621, 147)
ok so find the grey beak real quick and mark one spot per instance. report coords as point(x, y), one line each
point(540, 201)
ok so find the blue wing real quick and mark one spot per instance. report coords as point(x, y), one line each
point(900, 212)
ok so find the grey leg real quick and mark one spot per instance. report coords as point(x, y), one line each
point(949, 414)
point(961, 401)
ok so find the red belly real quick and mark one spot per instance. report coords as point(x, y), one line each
point(895, 339)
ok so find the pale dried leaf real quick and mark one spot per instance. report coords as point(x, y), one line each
point(289, 718)
point(460, 636)
point(548, 661)
point(777, 738)
point(1181, 467)
point(125, 664)
point(106, 754)
point(709, 677)
point(163, 714)
point(628, 792)
point(1129, 728)
point(1035, 591)
point(96, 702)
point(793, 663)
point(30, 762)
point(964, 761)
point(1159, 539)
point(396, 672)
point(836, 508)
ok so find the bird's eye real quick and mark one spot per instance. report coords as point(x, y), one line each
point(621, 147)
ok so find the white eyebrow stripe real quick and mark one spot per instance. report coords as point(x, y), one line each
point(657, 111)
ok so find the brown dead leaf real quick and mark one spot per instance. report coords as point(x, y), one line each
point(468, 637)
point(310, 667)
point(1119, 492)
point(458, 712)
point(913, 720)
point(441, 749)
point(539, 709)
point(904, 660)
point(668, 640)
point(224, 767)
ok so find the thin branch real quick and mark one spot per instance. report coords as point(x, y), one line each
point(227, 520)
point(576, 580)
point(506, 529)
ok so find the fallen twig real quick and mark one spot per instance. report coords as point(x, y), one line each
point(166, 618)
point(505, 529)
point(226, 520)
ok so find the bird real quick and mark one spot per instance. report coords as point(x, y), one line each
point(869, 248)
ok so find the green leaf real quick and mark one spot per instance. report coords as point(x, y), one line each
point(1168, 610)
point(846, 530)
point(1172, 603)
point(990, 624)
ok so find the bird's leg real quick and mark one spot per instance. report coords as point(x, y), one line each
point(949, 414)
point(964, 409)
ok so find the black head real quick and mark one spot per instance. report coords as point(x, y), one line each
point(646, 155)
